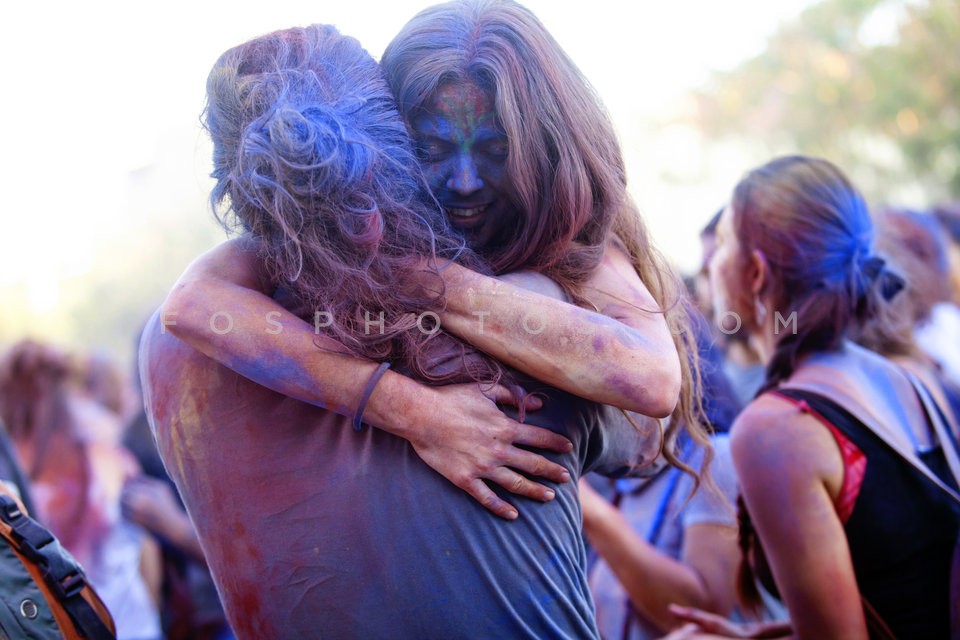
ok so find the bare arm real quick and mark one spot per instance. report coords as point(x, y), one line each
point(622, 356)
point(221, 308)
point(626, 359)
point(788, 465)
point(703, 625)
point(703, 577)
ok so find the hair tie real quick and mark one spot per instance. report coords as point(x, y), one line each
point(367, 391)
point(873, 266)
point(890, 283)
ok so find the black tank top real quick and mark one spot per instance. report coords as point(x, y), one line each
point(902, 531)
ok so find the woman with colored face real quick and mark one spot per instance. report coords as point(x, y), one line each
point(538, 188)
point(520, 151)
point(463, 151)
point(842, 474)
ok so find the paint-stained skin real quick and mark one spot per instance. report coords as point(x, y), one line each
point(598, 344)
point(303, 519)
point(464, 151)
point(624, 334)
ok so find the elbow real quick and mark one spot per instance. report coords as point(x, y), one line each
point(654, 392)
point(663, 406)
point(179, 310)
point(663, 387)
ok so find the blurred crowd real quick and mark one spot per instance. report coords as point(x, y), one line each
point(84, 461)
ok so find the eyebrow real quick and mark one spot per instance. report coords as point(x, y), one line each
point(480, 134)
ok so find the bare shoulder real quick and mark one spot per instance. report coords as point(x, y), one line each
point(773, 438)
point(182, 385)
point(235, 261)
point(162, 355)
point(615, 281)
point(616, 259)
point(536, 282)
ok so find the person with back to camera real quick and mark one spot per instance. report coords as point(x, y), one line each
point(507, 128)
point(306, 138)
point(851, 512)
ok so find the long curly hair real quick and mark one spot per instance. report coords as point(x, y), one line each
point(564, 157)
point(312, 158)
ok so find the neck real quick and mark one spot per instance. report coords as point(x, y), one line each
point(764, 341)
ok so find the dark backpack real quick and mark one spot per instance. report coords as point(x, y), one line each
point(43, 590)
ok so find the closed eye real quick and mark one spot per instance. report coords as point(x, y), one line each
point(432, 149)
point(498, 149)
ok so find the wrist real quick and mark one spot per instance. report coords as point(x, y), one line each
point(366, 393)
point(394, 405)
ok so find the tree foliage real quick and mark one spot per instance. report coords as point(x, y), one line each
point(885, 107)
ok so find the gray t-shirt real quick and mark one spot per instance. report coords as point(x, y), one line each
point(312, 529)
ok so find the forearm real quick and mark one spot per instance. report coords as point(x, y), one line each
point(253, 335)
point(580, 351)
point(652, 580)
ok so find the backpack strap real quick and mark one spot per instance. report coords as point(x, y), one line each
point(948, 443)
point(60, 572)
point(899, 448)
point(938, 419)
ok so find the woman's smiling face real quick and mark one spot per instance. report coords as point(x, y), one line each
point(464, 151)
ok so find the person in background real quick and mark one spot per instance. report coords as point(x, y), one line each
point(739, 362)
point(917, 251)
point(190, 607)
point(939, 334)
point(948, 214)
point(659, 543)
point(841, 474)
point(75, 483)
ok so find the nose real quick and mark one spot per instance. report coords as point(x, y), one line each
point(464, 178)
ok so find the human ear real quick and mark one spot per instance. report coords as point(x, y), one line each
point(758, 271)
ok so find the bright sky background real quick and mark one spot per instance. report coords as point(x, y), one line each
point(97, 94)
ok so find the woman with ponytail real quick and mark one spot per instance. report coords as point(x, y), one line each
point(852, 532)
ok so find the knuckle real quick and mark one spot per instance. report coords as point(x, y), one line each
point(490, 501)
point(539, 466)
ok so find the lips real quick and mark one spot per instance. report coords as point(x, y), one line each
point(463, 216)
